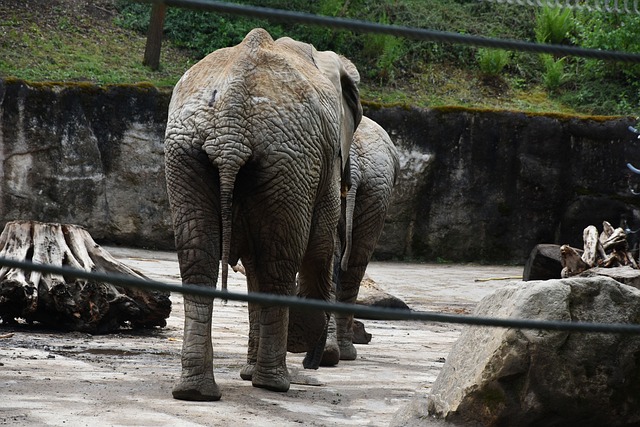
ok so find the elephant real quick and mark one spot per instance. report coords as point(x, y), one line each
point(374, 168)
point(256, 158)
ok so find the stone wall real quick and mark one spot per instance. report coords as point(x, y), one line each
point(491, 185)
point(474, 185)
point(86, 155)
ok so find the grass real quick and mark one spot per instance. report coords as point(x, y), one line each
point(77, 48)
point(65, 43)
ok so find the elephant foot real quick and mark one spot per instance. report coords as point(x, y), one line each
point(348, 351)
point(197, 390)
point(274, 382)
point(246, 373)
point(331, 355)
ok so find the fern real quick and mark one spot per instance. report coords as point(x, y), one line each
point(553, 25)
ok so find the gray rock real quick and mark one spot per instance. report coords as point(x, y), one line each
point(511, 377)
point(543, 263)
point(627, 275)
point(372, 295)
point(360, 334)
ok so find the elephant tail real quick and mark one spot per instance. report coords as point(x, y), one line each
point(227, 181)
point(351, 202)
point(228, 165)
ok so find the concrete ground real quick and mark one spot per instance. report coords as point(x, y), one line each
point(125, 379)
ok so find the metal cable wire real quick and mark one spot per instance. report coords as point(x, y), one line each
point(379, 313)
point(369, 312)
point(610, 6)
point(395, 30)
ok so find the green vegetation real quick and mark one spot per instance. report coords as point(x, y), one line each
point(61, 43)
point(53, 45)
point(492, 61)
point(553, 25)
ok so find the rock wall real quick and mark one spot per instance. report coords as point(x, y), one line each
point(489, 186)
point(86, 155)
point(474, 185)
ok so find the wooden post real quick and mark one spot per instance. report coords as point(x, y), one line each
point(154, 36)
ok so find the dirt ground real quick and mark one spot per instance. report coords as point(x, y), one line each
point(49, 378)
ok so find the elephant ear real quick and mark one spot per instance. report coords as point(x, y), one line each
point(345, 77)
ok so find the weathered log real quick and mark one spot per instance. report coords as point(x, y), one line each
point(591, 242)
point(67, 303)
point(607, 231)
point(571, 261)
point(610, 249)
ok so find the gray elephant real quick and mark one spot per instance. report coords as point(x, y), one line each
point(254, 153)
point(374, 169)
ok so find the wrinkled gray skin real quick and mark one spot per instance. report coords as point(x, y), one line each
point(253, 164)
point(374, 168)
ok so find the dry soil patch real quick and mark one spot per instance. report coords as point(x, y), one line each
point(125, 379)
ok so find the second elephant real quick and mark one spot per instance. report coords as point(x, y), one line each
point(374, 168)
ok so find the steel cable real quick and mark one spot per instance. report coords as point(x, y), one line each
point(379, 313)
point(395, 30)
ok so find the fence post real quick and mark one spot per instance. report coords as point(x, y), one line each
point(154, 36)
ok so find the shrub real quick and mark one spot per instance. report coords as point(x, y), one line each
point(553, 25)
point(554, 75)
point(492, 61)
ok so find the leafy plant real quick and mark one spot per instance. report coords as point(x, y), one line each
point(615, 32)
point(553, 25)
point(492, 61)
point(554, 75)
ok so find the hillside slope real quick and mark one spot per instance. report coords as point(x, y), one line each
point(78, 40)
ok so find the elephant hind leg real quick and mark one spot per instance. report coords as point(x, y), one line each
point(345, 341)
point(197, 381)
point(192, 194)
point(348, 293)
point(246, 372)
point(271, 370)
point(331, 354)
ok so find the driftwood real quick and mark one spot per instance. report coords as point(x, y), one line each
point(64, 302)
point(607, 249)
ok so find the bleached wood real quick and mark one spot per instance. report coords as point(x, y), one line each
point(68, 303)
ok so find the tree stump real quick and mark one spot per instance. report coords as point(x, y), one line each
point(63, 302)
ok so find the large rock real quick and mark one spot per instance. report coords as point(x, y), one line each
point(511, 377)
point(372, 295)
point(626, 274)
point(544, 263)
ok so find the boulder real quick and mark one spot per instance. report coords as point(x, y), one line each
point(360, 335)
point(372, 295)
point(543, 263)
point(517, 377)
point(626, 274)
